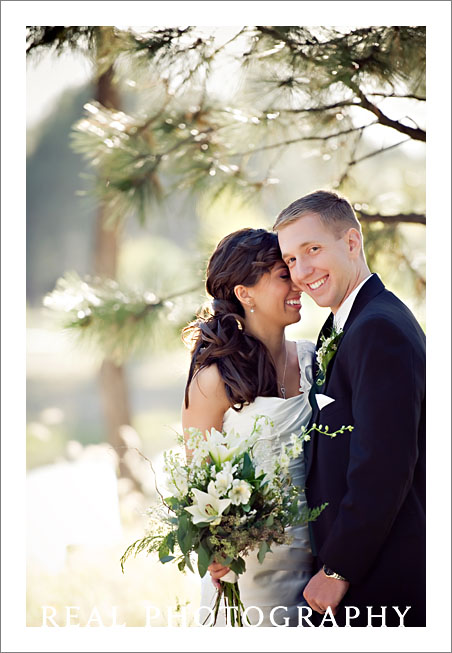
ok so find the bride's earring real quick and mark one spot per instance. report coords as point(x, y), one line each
point(252, 309)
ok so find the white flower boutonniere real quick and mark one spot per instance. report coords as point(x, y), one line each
point(326, 352)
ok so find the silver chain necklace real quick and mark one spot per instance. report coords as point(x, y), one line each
point(282, 387)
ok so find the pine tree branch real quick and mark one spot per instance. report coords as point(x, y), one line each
point(231, 40)
point(415, 134)
point(207, 59)
point(353, 162)
point(296, 47)
point(278, 35)
point(408, 96)
point(345, 174)
point(116, 320)
point(326, 107)
point(157, 115)
point(59, 38)
point(163, 302)
point(304, 138)
point(413, 218)
point(380, 151)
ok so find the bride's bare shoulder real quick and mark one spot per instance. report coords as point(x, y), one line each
point(208, 386)
point(208, 381)
point(207, 400)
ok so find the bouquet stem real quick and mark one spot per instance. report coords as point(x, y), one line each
point(233, 606)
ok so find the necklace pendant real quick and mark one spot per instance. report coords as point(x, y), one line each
point(282, 387)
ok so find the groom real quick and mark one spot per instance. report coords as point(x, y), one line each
point(369, 542)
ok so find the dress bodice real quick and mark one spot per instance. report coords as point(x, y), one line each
point(287, 415)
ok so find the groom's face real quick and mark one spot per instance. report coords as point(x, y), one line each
point(321, 263)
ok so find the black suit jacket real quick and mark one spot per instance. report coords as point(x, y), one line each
point(373, 478)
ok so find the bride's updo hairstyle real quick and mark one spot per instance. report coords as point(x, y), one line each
point(219, 335)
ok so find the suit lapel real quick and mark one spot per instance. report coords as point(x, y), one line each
point(371, 289)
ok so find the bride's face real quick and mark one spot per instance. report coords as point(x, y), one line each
point(275, 297)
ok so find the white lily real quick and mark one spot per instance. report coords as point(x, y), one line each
point(219, 447)
point(220, 453)
point(208, 507)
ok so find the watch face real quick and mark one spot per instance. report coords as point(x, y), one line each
point(328, 571)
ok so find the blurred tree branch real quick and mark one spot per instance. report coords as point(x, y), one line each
point(415, 134)
point(109, 317)
point(406, 96)
point(302, 139)
point(200, 149)
point(354, 161)
point(42, 39)
point(413, 218)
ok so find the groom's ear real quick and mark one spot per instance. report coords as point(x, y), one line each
point(354, 242)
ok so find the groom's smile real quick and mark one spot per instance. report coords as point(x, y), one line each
point(317, 284)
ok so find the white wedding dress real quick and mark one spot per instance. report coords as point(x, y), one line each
point(281, 578)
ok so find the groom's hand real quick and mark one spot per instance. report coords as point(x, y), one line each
point(322, 592)
point(217, 571)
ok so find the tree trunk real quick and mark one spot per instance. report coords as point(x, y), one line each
point(112, 379)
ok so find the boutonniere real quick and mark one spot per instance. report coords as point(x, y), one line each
point(326, 352)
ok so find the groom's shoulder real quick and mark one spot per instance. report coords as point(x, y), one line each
point(389, 313)
point(387, 304)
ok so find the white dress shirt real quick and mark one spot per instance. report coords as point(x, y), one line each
point(344, 309)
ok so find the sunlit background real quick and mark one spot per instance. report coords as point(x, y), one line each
point(82, 512)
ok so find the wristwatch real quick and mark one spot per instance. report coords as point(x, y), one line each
point(331, 574)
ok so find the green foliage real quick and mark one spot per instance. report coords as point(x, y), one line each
point(302, 84)
point(263, 550)
point(60, 39)
point(114, 320)
point(204, 557)
point(248, 468)
point(148, 544)
point(132, 157)
point(311, 514)
point(317, 64)
point(185, 533)
point(238, 565)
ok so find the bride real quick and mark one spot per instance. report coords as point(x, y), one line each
point(243, 366)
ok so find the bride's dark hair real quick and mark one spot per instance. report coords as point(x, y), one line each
point(218, 335)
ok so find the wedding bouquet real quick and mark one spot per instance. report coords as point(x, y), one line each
point(229, 498)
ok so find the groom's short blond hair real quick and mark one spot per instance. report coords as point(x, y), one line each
point(335, 212)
